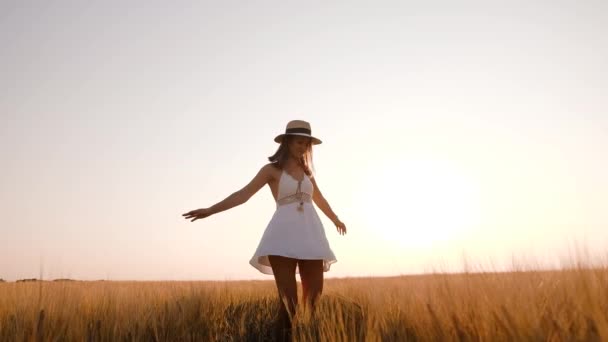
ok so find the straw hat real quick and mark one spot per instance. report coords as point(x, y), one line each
point(298, 127)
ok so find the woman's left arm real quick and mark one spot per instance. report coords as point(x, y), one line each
point(321, 202)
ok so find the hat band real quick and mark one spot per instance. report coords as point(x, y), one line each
point(297, 130)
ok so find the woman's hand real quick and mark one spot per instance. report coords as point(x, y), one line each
point(197, 214)
point(340, 226)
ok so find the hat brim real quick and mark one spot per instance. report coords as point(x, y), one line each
point(315, 141)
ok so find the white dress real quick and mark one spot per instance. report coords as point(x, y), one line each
point(295, 230)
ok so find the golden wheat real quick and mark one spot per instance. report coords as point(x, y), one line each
point(567, 305)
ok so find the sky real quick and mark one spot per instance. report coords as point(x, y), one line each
point(457, 136)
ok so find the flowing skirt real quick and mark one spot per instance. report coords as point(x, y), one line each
point(294, 234)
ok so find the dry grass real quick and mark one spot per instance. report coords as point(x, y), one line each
point(567, 305)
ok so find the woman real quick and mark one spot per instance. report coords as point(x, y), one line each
point(294, 241)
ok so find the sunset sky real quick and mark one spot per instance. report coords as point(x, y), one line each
point(454, 135)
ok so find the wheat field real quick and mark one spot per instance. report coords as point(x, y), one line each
point(565, 305)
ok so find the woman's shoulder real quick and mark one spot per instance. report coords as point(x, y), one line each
point(274, 166)
point(272, 169)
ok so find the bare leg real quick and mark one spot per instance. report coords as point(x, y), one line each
point(284, 270)
point(311, 275)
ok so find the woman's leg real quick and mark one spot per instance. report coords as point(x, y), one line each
point(311, 275)
point(284, 270)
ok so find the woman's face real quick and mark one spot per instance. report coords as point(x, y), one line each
point(298, 146)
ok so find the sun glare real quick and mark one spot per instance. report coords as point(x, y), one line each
point(420, 203)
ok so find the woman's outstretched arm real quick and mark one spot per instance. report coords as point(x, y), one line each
point(237, 198)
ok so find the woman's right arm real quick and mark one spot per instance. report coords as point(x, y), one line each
point(237, 198)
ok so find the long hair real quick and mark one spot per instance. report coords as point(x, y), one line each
point(279, 158)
